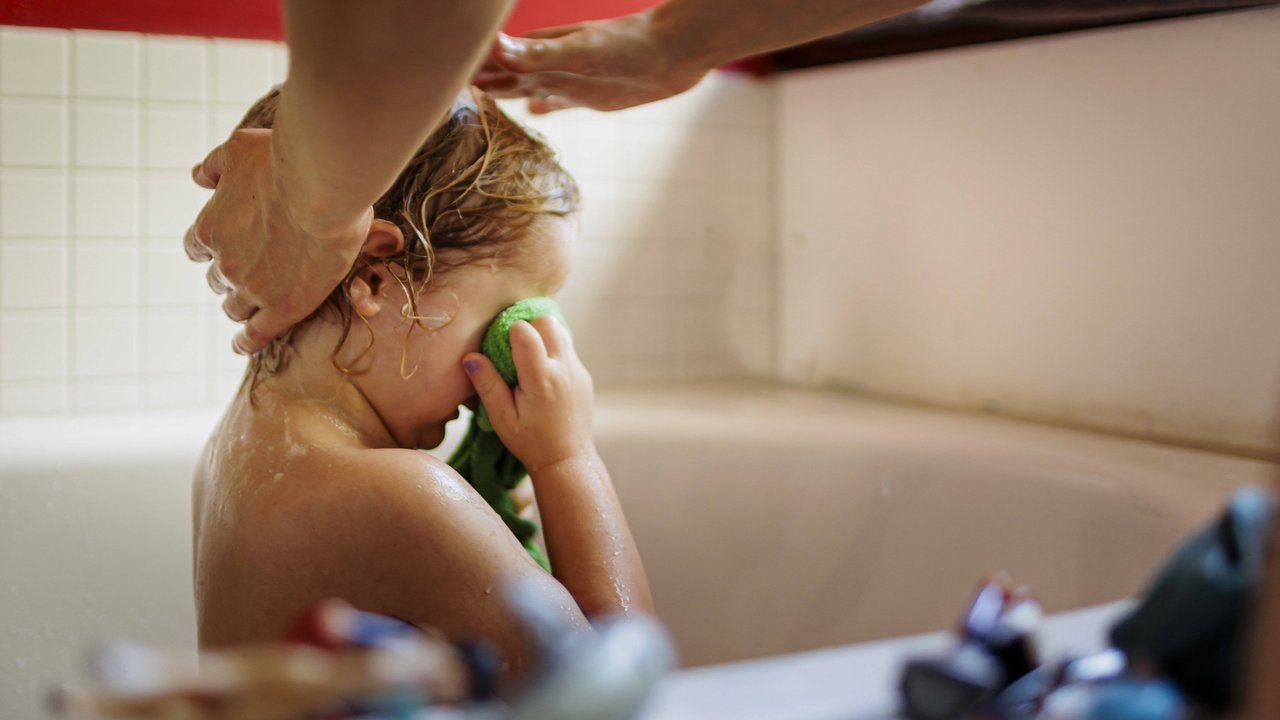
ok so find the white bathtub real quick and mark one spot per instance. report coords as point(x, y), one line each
point(770, 520)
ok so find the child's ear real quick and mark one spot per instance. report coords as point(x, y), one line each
point(384, 240)
point(366, 288)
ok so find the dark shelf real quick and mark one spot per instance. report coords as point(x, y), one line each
point(985, 22)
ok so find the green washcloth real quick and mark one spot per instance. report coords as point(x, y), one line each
point(481, 458)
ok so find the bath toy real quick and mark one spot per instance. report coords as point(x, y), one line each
point(340, 663)
point(996, 648)
point(1194, 618)
point(1136, 699)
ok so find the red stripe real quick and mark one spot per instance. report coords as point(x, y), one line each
point(257, 19)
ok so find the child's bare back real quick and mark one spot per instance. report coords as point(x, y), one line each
point(292, 506)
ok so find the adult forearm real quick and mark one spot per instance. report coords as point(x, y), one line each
point(367, 83)
point(707, 33)
point(591, 548)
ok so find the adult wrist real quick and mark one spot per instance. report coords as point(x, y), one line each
point(303, 202)
point(674, 31)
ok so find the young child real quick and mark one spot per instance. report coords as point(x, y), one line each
point(313, 486)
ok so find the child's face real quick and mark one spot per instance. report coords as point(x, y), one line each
point(470, 297)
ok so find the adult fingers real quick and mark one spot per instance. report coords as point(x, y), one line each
point(195, 249)
point(261, 328)
point(207, 173)
point(551, 91)
point(217, 282)
point(491, 388)
point(498, 83)
point(550, 104)
point(550, 32)
point(567, 53)
point(237, 307)
point(490, 66)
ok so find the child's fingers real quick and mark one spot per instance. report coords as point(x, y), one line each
point(552, 333)
point(489, 385)
point(527, 351)
point(522, 496)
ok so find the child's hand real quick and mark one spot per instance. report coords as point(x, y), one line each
point(546, 418)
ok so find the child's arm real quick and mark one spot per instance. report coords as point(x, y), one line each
point(546, 422)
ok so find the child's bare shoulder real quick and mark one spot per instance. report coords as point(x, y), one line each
point(396, 512)
point(400, 489)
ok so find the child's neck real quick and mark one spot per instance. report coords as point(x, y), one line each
point(312, 382)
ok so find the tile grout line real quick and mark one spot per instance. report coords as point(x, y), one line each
point(142, 206)
point(70, 296)
point(139, 200)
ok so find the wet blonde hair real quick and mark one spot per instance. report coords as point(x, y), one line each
point(473, 188)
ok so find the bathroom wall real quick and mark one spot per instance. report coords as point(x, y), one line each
point(1078, 229)
point(101, 311)
point(1082, 229)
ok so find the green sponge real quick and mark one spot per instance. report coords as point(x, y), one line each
point(481, 457)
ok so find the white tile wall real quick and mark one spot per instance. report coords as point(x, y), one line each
point(105, 65)
point(100, 310)
point(35, 345)
point(106, 204)
point(653, 293)
point(106, 273)
point(107, 134)
point(33, 62)
point(33, 133)
point(33, 274)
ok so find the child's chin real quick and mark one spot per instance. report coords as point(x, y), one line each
point(431, 437)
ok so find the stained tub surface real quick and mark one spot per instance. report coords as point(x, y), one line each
point(775, 520)
point(770, 520)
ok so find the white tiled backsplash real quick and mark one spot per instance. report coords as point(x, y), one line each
point(100, 309)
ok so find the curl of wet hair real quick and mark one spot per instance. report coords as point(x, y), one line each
point(473, 189)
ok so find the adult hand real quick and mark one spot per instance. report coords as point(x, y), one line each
point(273, 270)
point(600, 64)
